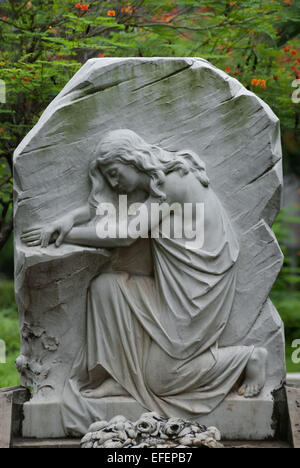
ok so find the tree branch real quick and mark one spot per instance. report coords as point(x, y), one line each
point(190, 28)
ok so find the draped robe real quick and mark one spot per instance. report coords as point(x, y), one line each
point(158, 336)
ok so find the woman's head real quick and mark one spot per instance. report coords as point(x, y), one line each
point(128, 162)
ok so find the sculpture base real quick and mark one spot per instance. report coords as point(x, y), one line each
point(237, 418)
point(75, 443)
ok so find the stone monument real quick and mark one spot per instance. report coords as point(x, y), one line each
point(125, 325)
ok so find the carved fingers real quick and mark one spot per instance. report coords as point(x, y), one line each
point(45, 238)
point(31, 237)
point(62, 234)
point(35, 237)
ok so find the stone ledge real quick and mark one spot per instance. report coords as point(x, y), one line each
point(293, 400)
point(12, 400)
point(75, 443)
point(293, 379)
point(237, 418)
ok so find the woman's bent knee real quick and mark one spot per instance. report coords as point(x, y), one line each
point(103, 284)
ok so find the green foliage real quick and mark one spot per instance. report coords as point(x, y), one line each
point(7, 296)
point(286, 292)
point(7, 260)
point(9, 332)
point(9, 376)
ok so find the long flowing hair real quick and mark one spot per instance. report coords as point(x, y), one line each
point(126, 147)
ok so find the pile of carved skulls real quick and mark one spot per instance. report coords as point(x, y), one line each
point(150, 431)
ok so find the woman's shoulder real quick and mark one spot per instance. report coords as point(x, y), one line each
point(183, 187)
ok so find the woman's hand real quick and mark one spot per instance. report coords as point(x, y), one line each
point(54, 232)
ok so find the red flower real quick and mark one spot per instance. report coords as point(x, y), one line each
point(258, 82)
point(101, 55)
point(287, 48)
point(128, 9)
point(82, 7)
point(111, 13)
point(275, 77)
point(263, 84)
point(227, 69)
point(294, 52)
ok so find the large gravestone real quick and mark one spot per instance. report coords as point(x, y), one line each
point(173, 103)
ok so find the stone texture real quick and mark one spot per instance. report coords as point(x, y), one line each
point(12, 400)
point(175, 103)
point(150, 431)
point(293, 398)
point(293, 379)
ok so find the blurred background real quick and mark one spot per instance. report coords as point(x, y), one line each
point(43, 43)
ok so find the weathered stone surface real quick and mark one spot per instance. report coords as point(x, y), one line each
point(293, 397)
point(151, 431)
point(175, 103)
point(51, 300)
point(12, 400)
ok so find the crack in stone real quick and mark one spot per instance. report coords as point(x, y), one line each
point(170, 75)
point(260, 176)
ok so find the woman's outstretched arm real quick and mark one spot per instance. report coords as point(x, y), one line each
point(87, 236)
point(61, 227)
point(144, 215)
point(65, 230)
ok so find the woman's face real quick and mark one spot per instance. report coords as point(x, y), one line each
point(123, 178)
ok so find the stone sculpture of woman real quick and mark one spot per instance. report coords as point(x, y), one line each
point(156, 338)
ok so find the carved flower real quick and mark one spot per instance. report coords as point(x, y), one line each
point(97, 426)
point(173, 427)
point(148, 424)
point(51, 343)
point(22, 363)
point(210, 442)
point(214, 432)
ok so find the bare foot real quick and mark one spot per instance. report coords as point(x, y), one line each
point(109, 388)
point(255, 374)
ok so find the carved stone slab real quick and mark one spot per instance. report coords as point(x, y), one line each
point(293, 397)
point(175, 103)
point(11, 413)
